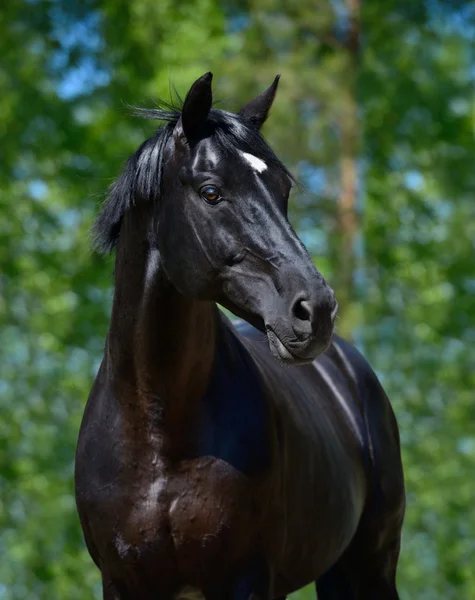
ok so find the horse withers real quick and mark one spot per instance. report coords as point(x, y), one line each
point(218, 461)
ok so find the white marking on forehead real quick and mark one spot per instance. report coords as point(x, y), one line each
point(256, 163)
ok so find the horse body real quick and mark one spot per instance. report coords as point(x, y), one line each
point(285, 499)
point(205, 467)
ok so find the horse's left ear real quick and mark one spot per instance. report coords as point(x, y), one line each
point(256, 111)
point(196, 107)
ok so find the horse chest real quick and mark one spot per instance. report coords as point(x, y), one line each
point(195, 519)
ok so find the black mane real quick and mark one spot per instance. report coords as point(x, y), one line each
point(142, 173)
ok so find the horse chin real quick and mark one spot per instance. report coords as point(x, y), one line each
point(282, 353)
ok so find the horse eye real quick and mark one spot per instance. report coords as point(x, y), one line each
point(210, 193)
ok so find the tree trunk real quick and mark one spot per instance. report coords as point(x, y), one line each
point(347, 209)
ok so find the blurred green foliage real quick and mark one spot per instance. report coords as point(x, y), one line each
point(67, 73)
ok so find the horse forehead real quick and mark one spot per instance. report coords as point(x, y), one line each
point(207, 156)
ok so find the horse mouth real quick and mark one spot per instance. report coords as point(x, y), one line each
point(282, 352)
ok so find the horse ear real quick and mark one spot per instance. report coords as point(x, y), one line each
point(256, 111)
point(196, 107)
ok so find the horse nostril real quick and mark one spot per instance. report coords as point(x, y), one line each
point(302, 310)
point(234, 259)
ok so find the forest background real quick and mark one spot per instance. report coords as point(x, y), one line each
point(375, 115)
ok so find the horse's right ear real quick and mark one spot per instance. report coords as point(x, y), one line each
point(196, 107)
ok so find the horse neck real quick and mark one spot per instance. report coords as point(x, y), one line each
point(161, 345)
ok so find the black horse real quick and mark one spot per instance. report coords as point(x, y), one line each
point(206, 466)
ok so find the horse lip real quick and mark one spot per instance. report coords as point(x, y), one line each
point(281, 352)
point(277, 347)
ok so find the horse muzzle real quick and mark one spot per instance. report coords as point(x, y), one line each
point(305, 330)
